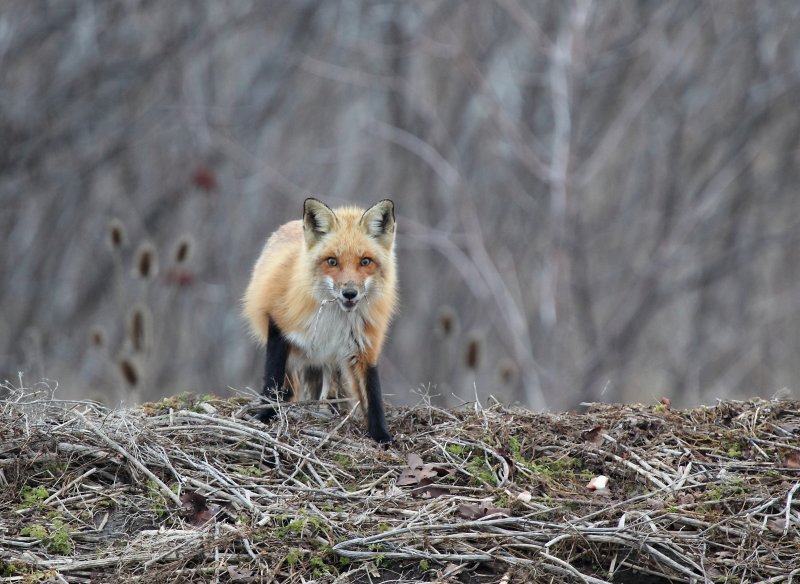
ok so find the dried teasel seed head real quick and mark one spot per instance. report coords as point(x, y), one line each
point(98, 337)
point(183, 249)
point(129, 372)
point(139, 327)
point(507, 371)
point(446, 322)
point(204, 178)
point(145, 262)
point(473, 352)
point(117, 236)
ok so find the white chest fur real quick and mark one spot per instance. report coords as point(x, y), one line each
point(331, 335)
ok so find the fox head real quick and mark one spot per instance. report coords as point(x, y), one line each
point(351, 251)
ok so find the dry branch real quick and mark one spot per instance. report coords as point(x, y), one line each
point(190, 489)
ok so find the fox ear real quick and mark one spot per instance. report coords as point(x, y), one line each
point(318, 220)
point(378, 221)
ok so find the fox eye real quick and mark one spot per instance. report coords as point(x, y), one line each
point(365, 262)
point(332, 262)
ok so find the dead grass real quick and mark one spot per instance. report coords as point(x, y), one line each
point(188, 490)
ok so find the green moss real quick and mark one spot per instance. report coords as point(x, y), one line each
point(55, 538)
point(481, 472)
point(424, 565)
point(32, 496)
point(182, 401)
point(59, 541)
point(563, 468)
point(302, 526)
point(734, 450)
point(516, 448)
point(295, 527)
point(8, 570)
point(34, 531)
point(56, 469)
point(293, 557)
point(344, 461)
point(728, 488)
point(321, 569)
point(157, 503)
point(456, 449)
point(250, 471)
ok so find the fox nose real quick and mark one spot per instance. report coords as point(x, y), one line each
point(349, 293)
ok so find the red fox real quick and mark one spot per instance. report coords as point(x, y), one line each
point(322, 295)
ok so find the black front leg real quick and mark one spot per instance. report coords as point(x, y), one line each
point(275, 371)
point(376, 422)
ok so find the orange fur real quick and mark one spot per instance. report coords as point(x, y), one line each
point(301, 283)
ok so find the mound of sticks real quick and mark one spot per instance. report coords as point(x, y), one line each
point(191, 490)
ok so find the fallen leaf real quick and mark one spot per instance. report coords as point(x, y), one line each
point(472, 511)
point(452, 570)
point(776, 526)
point(416, 476)
point(594, 436)
point(666, 402)
point(429, 492)
point(414, 460)
point(792, 459)
point(418, 473)
point(240, 576)
point(713, 573)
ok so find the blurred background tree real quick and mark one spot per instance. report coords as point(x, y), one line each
point(596, 200)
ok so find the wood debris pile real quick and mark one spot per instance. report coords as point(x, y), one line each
point(190, 490)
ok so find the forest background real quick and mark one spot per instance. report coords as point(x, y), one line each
point(596, 200)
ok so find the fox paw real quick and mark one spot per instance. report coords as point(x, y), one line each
point(266, 415)
point(381, 436)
